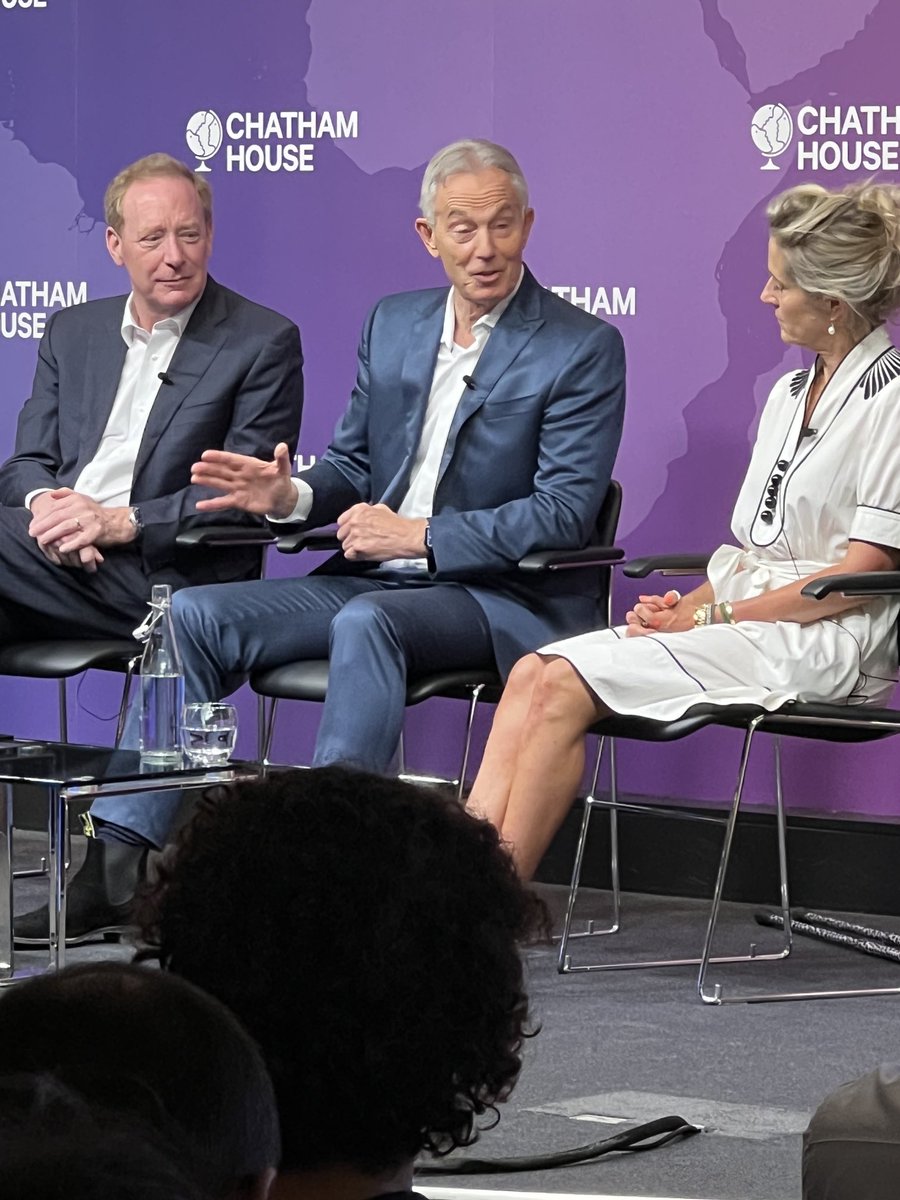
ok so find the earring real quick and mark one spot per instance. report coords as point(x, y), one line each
point(831, 329)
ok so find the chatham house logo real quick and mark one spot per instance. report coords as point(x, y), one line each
point(203, 136)
point(771, 130)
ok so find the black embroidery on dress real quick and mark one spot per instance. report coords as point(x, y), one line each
point(798, 383)
point(881, 372)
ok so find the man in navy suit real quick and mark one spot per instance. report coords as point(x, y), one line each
point(127, 393)
point(484, 424)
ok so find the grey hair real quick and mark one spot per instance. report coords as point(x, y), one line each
point(843, 244)
point(473, 154)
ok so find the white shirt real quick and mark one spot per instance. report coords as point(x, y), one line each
point(107, 478)
point(447, 389)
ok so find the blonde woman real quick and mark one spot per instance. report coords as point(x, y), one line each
point(821, 497)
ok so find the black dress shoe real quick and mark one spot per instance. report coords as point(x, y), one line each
point(98, 901)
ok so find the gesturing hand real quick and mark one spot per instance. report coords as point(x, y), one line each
point(375, 532)
point(248, 483)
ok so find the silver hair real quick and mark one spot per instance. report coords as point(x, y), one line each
point(473, 154)
point(843, 244)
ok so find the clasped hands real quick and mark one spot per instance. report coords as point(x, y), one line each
point(367, 532)
point(660, 614)
point(70, 528)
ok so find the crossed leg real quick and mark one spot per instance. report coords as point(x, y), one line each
point(534, 758)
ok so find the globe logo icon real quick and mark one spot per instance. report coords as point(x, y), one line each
point(203, 136)
point(771, 130)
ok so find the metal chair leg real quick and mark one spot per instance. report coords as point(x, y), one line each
point(260, 728)
point(63, 710)
point(467, 745)
point(715, 995)
point(401, 755)
point(123, 703)
point(270, 731)
point(564, 962)
point(781, 833)
point(640, 964)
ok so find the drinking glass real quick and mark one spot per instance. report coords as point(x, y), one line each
point(208, 732)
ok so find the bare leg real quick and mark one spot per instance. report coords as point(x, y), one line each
point(549, 763)
point(490, 791)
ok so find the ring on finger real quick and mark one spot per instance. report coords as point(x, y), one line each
point(78, 524)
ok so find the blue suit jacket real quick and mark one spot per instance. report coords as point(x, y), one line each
point(237, 385)
point(527, 461)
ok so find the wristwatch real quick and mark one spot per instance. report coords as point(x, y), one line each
point(134, 517)
point(429, 549)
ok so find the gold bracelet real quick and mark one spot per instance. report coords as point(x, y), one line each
point(726, 612)
point(703, 615)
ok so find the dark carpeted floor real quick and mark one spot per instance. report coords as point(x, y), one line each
point(623, 1047)
point(640, 1044)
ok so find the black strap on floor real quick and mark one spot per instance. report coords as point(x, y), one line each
point(649, 1136)
point(876, 942)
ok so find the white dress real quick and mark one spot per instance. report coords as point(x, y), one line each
point(803, 498)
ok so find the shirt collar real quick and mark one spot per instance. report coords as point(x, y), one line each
point(176, 324)
point(488, 321)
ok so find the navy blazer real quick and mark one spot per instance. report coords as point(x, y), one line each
point(236, 385)
point(527, 462)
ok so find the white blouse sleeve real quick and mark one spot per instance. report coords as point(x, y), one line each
point(877, 517)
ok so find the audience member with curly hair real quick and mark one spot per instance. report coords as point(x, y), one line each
point(366, 932)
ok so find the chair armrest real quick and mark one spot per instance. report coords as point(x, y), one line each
point(667, 564)
point(862, 583)
point(563, 560)
point(224, 535)
point(308, 539)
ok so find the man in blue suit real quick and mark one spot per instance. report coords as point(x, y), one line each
point(127, 393)
point(484, 424)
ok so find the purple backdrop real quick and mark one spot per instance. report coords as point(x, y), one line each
point(632, 121)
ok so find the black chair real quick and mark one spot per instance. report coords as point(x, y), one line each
point(62, 659)
point(308, 679)
point(831, 722)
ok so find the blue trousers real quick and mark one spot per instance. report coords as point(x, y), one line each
point(375, 630)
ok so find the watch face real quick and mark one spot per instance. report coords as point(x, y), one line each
point(428, 536)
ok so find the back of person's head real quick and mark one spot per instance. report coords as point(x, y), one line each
point(136, 1040)
point(843, 244)
point(385, 984)
point(54, 1143)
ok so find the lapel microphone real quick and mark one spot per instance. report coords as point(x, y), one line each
point(165, 378)
point(469, 382)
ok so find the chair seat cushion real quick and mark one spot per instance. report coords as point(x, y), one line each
point(308, 680)
point(60, 659)
point(798, 718)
